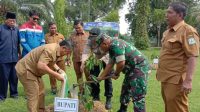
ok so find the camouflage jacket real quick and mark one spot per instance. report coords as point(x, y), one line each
point(121, 50)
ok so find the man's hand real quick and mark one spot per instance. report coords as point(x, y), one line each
point(19, 56)
point(68, 62)
point(82, 66)
point(187, 86)
point(60, 77)
point(100, 78)
point(187, 83)
point(115, 76)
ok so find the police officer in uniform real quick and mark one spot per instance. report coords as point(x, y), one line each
point(133, 64)
point(177, 61)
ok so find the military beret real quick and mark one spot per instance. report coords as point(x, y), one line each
point(101, 38)
point(10, 15)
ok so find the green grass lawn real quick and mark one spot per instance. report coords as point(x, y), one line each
point(154, 101)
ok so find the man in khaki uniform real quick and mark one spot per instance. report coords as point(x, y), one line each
point(180, 49)
point(34, 65)
point(79, 40)
point(54, 37)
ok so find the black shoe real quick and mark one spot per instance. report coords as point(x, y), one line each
point(123, 108)
point(108, 105)
point(96, 98)
point(121, 111)
point(14, 97)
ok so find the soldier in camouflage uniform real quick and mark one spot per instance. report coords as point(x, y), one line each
point(133, 64)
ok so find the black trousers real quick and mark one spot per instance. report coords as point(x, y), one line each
point(95, 87)
point(8, 76)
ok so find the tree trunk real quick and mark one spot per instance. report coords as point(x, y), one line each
point(159, 36)
point(141, 39)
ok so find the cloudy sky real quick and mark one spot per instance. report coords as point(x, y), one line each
point(122, 23)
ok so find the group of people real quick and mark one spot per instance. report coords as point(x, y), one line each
point(177, 61)
point(26, 66)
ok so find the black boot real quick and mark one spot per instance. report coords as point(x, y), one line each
point(96, 98)
point(108, 105)
point(123, 108)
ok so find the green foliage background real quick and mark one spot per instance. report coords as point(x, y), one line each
point(141, 39)
point(113, 16)
point(59, 8)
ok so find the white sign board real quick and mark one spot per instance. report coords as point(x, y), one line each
point(65, 105)
point(155, 61)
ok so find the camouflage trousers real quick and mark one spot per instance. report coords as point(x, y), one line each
point(135, 86)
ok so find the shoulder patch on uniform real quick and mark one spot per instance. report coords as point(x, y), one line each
point(191, 40)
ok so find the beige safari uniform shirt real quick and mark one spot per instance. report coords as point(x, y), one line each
point(79, 42)
point(53, 38)
point(178, 44)
point(49, 54)
point(56, 38)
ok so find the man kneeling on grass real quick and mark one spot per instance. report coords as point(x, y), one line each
point(133, 64)
point(34, 65)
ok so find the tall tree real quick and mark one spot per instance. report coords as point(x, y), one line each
point(90, 10)
point(153, 24)
point(22, 7)
point(193, 17)
point(113, 16)
point(158, 18)
point(141, 39)
point(157, 22)
point(59, 9)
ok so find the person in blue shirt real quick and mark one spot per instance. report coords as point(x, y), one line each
point(9, 55)
point(31, 33)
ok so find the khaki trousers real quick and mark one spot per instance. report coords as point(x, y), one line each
point(34, 90)
point(175, 100)
point(79, 74)
point(62, 66)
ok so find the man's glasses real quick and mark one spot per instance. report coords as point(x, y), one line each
point(35, 19)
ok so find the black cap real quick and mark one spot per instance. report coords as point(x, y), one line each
point(10, 15)
point(95, 31)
